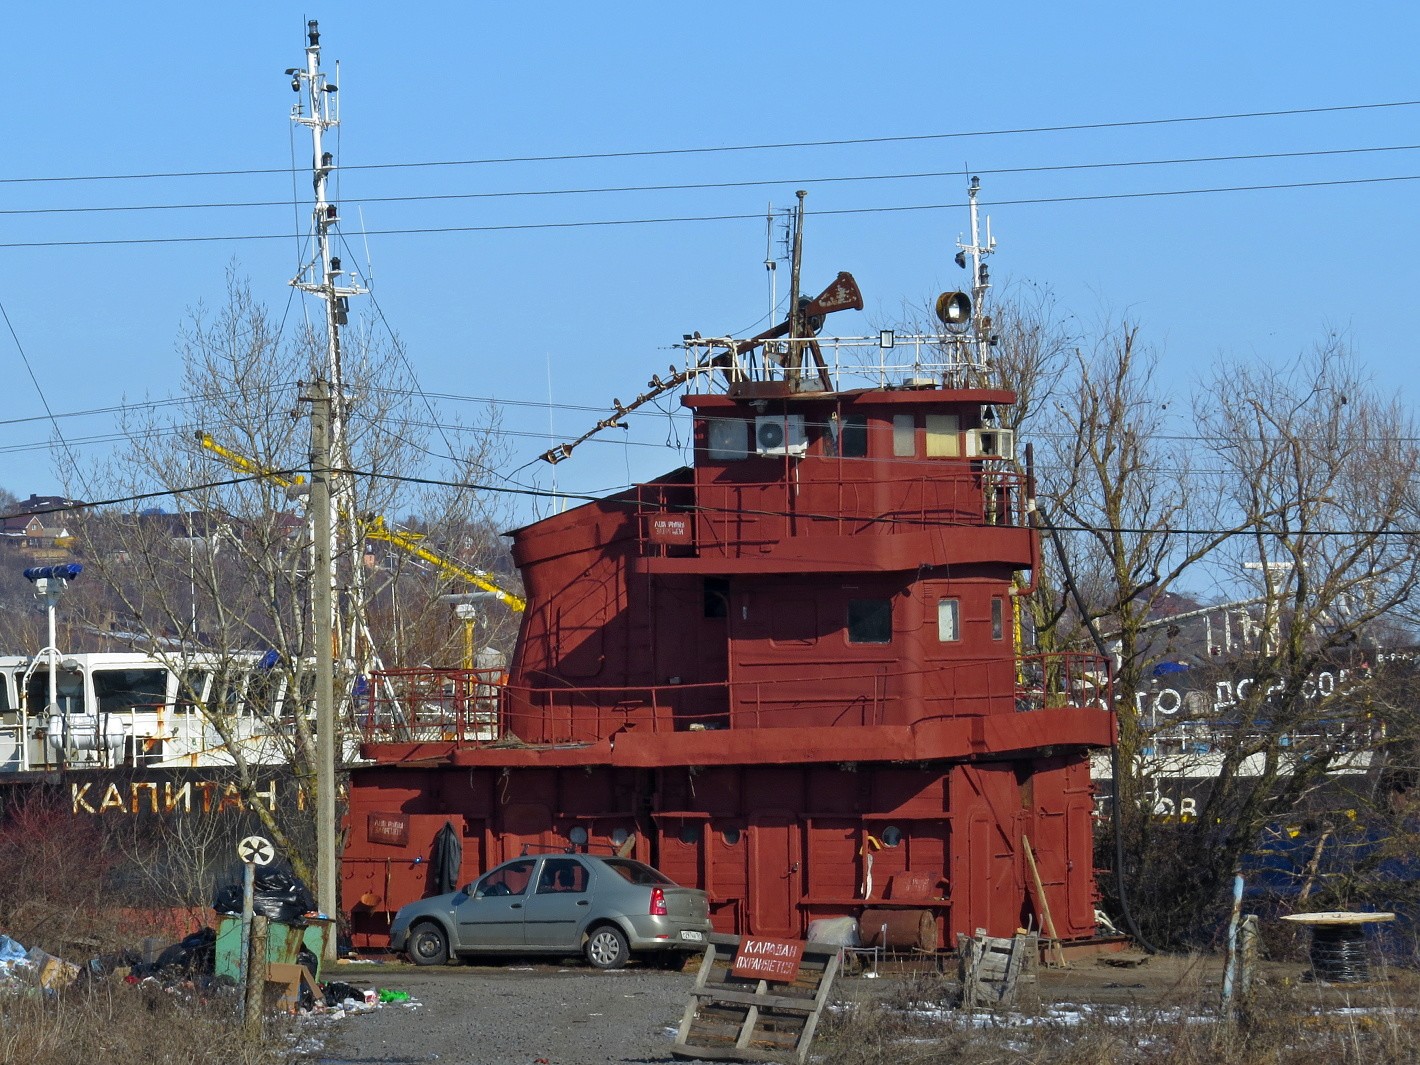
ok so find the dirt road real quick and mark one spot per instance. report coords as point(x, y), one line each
point(511, 1015)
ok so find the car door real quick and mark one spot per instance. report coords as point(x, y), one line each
point(490, 916)
point(558, 907)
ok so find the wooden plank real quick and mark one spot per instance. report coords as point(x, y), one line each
point(1047, 923)
point(754, 998)
point(751, 1017)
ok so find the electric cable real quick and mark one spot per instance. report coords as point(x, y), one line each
point(511, 227)
point(717, 185)
point(777, 146)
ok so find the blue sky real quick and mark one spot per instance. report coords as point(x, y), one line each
point(582, 315)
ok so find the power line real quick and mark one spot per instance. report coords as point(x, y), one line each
point(712, 185)
point(670, 219)
point(1250, 529)
point(773, 146)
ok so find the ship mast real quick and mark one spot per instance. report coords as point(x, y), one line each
point(977, 252)
point(323, 276)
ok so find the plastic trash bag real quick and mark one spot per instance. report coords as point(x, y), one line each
point(277, 894)
point(10, 951)
point(337, 992)
point(194, 956)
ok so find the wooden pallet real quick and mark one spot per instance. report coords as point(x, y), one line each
point(993, 968)
point(733, 1018)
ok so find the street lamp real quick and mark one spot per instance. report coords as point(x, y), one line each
point(50, 582)
point(466, 610)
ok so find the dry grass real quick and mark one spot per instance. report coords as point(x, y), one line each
point(56, 895)
point(119, 1024)
point(914, 1023)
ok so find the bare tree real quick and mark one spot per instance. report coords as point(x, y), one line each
point(1122, 496)
point(220, 589)
point(1320, 468)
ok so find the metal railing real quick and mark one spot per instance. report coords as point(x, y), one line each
point(1065, 680)
point(478, 708)
point(733, 518)
point(946, 360)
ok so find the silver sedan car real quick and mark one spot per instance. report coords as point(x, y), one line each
point(559, 904)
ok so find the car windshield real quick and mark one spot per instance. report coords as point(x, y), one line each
point(633, 872)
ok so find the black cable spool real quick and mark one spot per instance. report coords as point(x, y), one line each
point(1339, 954)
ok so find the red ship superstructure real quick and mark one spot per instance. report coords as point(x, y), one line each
point(789, 674)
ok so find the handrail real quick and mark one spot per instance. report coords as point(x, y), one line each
point(478, 707)
point(967, 496)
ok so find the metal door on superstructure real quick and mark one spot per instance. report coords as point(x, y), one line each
point(774, 874)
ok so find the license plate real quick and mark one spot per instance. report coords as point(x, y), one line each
point(697, 937)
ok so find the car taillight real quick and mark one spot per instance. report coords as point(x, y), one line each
point(658, 903)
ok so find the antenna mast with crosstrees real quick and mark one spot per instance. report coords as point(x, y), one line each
point(338, 547)
point(324, 277)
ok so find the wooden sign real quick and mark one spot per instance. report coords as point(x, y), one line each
point(389, 828)
point(769, 959)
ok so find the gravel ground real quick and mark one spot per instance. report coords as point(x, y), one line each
point(514, 1014)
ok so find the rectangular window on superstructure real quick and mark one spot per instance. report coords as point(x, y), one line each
point(853, 437)
point(943, 432)
point(904, 435)
point(727, 439)
point(870, 621)
point(998, 618)
point(948, 620)
point(119, 690)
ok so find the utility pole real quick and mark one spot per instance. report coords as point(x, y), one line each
point(333, 511)
point(323, 627)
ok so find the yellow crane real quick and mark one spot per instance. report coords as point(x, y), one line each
point(375, 527)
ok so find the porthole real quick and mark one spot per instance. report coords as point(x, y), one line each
point(578, 836)
point(731, 836)
point(619, 836)
point(690, 833)
point(892, 836)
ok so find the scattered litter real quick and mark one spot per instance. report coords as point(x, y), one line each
point(389, 995)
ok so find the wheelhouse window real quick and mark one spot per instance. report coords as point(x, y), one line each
point(943, 433)
point(998, 618)
point(727, 438)
point(870, 621)
point(119, 690)
point(853, 437)
point(904, 435)
point(948, 620)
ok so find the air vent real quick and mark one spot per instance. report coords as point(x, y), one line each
point(990, 444)
point(780, 434)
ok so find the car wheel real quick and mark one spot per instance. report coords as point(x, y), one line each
point(427, 945)
point(607, 948)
